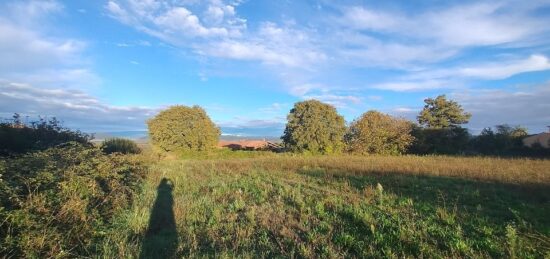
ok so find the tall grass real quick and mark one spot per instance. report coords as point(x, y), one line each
point(346, 206)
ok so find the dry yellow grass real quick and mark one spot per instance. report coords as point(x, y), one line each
point(519, 171)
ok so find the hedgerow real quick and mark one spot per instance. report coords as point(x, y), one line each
point(59, 202)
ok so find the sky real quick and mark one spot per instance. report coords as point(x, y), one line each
point(104, 66)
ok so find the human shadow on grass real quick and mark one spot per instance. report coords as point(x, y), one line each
point(161, 238)
point(498, 202)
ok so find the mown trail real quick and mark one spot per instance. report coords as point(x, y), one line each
point(307, 207)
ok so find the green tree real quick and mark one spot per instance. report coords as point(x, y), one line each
point(182, 128)
point(440, 113)
point(314, 127)
point(441, 132)
point(378, 133)
point(506, 140)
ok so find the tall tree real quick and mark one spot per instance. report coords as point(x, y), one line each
point(440, 113)
point(314, 127)
point(441, 132)
point(378, 133)
point(182, 128)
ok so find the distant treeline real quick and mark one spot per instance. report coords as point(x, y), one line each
point(314, 127)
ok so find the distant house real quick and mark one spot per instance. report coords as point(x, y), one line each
point(249, 145)
point(542, 139)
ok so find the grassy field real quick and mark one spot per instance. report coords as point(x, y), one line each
point(294, 206)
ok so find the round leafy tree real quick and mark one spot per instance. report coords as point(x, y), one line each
point(378, 133)
point(182, 128)
point(314, 127)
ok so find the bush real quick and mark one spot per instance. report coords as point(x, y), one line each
point(60, 201)
point(182, 128)
point(314, 127)
point(378, 133)
point(120, 145)
point(17, 137)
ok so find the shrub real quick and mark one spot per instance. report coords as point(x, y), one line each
point(314, 127)
point(182, 128)
point(378, 133)
point(120, 145)
point(60, 201)
point(17, 137)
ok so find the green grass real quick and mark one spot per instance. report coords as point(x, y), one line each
point(284, 206)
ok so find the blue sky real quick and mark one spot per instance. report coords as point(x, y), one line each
point(110, 65)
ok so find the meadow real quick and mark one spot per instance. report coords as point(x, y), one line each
point(283, 205)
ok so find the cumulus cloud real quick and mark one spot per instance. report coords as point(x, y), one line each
point(76, 108)
point(174, 22)
point(181, 20)
point(273, 45)
point(214, 30)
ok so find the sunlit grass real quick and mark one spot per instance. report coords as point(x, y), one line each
point(408, 206)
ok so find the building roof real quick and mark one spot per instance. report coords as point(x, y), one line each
point(543, 139)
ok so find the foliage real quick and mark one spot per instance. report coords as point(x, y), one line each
point(340, 207)
point(60, 201)
point(440, 113)
point(120, 145)
point(506, 141)
point(182, 128)
point(314, 127)
point(441, 132)
point(452, 140)
point(378, 133)
point(17, 137)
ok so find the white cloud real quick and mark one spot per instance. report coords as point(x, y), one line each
point(507, 69)
point(220, 33)
point(370, 52)
point(31, 54)
point(474, 24)
point(338, 101)
point(76, 108)
point(374, 37)
point(419, 85)
point(24, 49)
point(456, 77)
point(174, 22)
point(272, 45)
point(365, 19)
point(182, 21)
